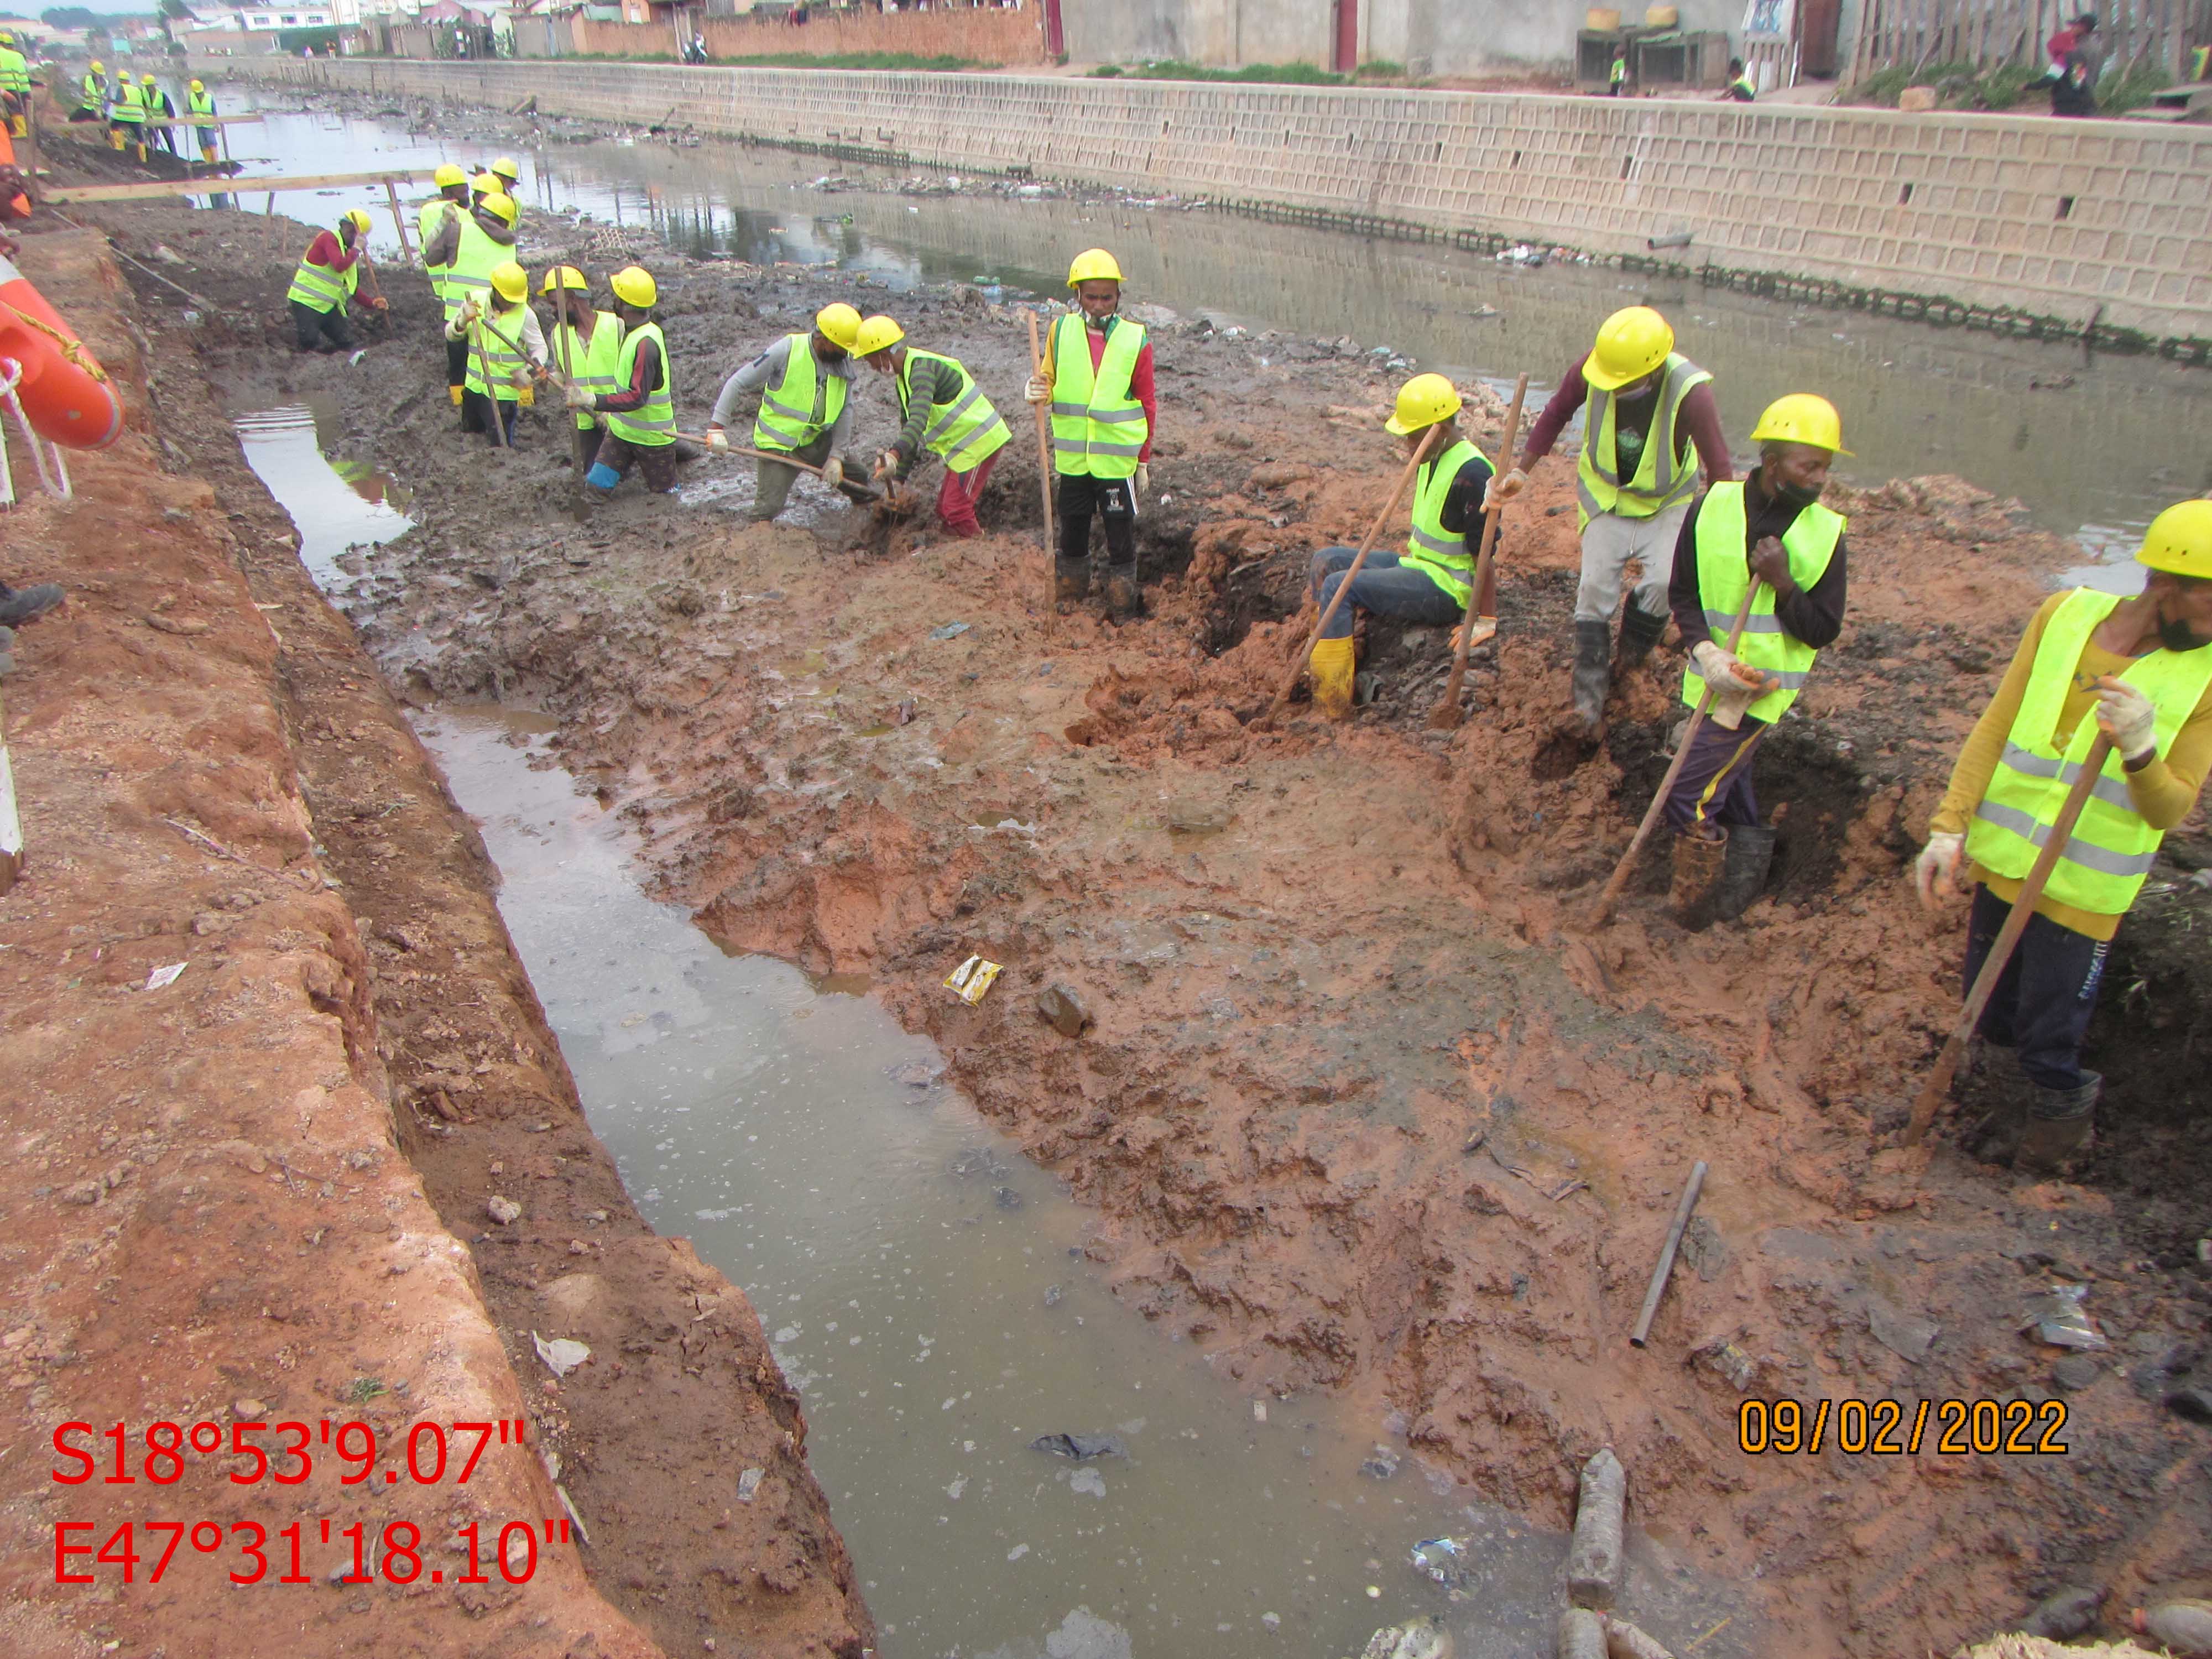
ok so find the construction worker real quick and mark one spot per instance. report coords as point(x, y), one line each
point(1098, 379)
point(485, 185)
point(1769, 536)
point(1646, 405)
point(198, 102)
point(160, 109)
point(944, 411)
point(324, 284)
point(1429, 586)
point(126, 115)
point(14, 85)
point(508, 172)
point(1741, 89)
point(586, 346)
point(2140, 665)
point(506, 352)
point(805, 385)
point(452, 199)
point(640, 410)
point(465, 248)
point(92, 94)
point(1616, 79)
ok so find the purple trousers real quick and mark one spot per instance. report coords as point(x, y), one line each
point(1714, 785)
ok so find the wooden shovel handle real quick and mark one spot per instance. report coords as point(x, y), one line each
point(1447, 711)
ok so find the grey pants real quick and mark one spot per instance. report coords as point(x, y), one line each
point(1610, 543)
point(772, 492)
point(1383, 587)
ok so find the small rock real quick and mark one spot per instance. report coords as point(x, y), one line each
point(2075, 1373)
point(2060, 1617)
point(749, 1484)
point(504, 1211)
point(248, 1411)
point(1062, 1006)
point(2195, 1404)
point(1900, 1333)
point(1381, 1464)
point(1006, 1197)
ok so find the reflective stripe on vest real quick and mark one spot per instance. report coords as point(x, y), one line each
point(1723, 573)
point(503, 358)
point(801, 406)
point(1439, 555)
point(428, 223)
point(320, 288)
point(2112, 848)
point(199, 103)
point(1661, 478)
point(92, 94)
point(591, 364)
point(473, 262)
point(968, 431)
point(14, 70)
point(1097, 426)
point(653, 424)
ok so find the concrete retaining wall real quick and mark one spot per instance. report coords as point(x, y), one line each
point(2071, 219)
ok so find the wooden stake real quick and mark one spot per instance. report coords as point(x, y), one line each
point(11, 826)
point(1390, 509)
point(1044, 470)
point(399, 219)
point(2000, 950)
point(1621, 871)
point(491, 393)
point(1659, 1275)
point(1447, 715)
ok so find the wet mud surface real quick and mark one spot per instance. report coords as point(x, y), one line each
point(1365, 1105)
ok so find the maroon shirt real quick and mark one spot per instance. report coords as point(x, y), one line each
point(325, 250)
point(1699, 423)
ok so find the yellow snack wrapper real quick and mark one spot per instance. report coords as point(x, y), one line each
point(971, 979)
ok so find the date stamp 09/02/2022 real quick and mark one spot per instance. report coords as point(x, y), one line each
point(1890, 1428)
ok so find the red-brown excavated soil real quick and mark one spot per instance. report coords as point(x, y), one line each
point(257, 1194)
point(1366, 1104)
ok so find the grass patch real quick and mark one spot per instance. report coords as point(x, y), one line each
point(2007, 87)
point(1292, 75)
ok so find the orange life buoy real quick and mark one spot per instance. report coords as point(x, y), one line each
point(66, 395)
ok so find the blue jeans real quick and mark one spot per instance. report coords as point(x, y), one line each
point(1402, 593)
point(2041, 1007)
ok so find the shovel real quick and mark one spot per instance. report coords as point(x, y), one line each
point(851, 490)
point(1447, 715)
point(2000, 950)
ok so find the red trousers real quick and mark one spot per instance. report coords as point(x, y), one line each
point(956, 497)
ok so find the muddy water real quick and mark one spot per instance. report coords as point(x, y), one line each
point(343, 509)
point(2094, 446)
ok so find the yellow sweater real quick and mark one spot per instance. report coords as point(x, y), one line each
point(2163, 791)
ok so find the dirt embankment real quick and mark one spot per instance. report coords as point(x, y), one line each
point(260, 1192)
point(1364, 1106)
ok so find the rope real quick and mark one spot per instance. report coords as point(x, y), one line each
point(73, 350)
point(55, 484)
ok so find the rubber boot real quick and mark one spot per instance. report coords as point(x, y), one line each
point(2058, 1127)
point(1125, 601)
point(1997, 1078)
point(21, 605)
point(455, 392)
point(1698, 864)
point(1593, 676)
point(1743, 878)
point(1332, 675)
point(1639, 633)
point(1071, 581)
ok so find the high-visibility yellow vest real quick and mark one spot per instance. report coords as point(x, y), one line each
point(473, 263)
point(964, 433)
point(318, 287)
point(1661, 480)
point(1097, 426)
point(93, 93)
point(2112, 846)
point(198, 103)
point(785, 419)
point(504, 359)
point(14, 70)
point(430, 220)
point(1723, 573)
point(1435, 551)
point(127, 106)
point(593, 364)
point(653, 424)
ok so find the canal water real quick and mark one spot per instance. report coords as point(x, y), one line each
point(2094, 444)
point(924, 1286)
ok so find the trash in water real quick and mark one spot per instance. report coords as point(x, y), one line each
point(1052, 1295)
point(974, 1161)
point(1417, 1638)
point(1080, 1447)
point(972, 978)
point(748, 1484)
point(1443, 1559)
point(2058, 1318)
point(916, 1074)
point(561, 1355)
point(1006, 1197)
point(1089, 1482)
point(950, 631)
point(161, 976)
point(1382, 1465)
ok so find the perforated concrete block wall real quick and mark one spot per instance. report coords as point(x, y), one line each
point(2059, 217)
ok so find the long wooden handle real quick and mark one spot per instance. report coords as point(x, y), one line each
point(2001, 949)
point(563, 330)
point(1044, 464)
point(485, 321)
point(1666, 1267)
point(1374, 530)
point(1621, 871)
point(491, 395)
point(1447, 711)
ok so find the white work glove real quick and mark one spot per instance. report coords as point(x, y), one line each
point(577, 397)
point(521, 380)
point(718, 440)
point(1144, 479)
point(1935, 872)
point(2126, 716)
point(887, 465)
point(1499, 490)
point(471, 310)
point(1038, 390)
point(1485, 630)
point(1732, 697)
point(832, 471)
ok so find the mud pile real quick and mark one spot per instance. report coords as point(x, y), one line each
point(1364, 1104)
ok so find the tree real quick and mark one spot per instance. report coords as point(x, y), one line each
point(69, 19)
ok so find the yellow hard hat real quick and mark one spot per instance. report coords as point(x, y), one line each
point(122, 76)
point(1801, 418)
point(873, 335)
point(634, 286)
point(356, 218)
point(2180, 540)
point(566, 276)
point(7, 37)
point(1093, 264)
point(1631, 343)
point(508, 169)
point(97, 66)
point(501, 207)
point(1422, 402)
point(837, 322)
point(448, 175)
point(510, 282)
point(488, 183)
point(194, 86)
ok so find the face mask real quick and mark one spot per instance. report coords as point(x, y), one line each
point(2175, 635)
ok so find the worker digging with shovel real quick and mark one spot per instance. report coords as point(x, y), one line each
point(942, 411)
point(1765, 555)
point(2142, 668)
point(804, 384)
